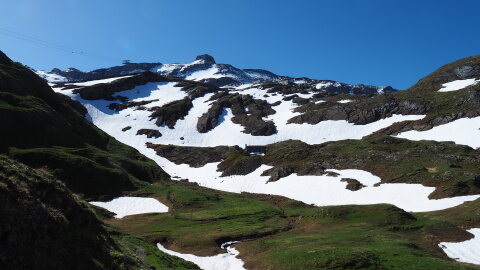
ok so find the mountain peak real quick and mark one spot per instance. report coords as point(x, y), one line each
point(208, 59)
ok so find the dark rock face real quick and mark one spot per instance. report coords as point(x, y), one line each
point(151, 133)
point(194, 156)
point(126, 128)
point(122, 106)
point(247, 112)
point(73, 74)
point(278, 172)
point(77, 106)
point(360, 112)
point(197, 89)
point(170, 113)
point(353, 184)
point(241, 166)
point(206, 58)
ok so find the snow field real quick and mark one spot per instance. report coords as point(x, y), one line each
point(224, 261)
point(457, 85)
point(467, 251)
point(461, 131)
point(126, 206)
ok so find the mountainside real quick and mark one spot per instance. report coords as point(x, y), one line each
point(44, 225)
point(205, 69)
point(260, 172)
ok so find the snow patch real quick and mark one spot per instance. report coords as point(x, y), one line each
point(126, 206)
point(89, 83)
point(461, 131)
point(345, 101)
point(457, 85)
point(224, 261)
point(467, 251)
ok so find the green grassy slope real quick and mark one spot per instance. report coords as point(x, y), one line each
point(278, 233)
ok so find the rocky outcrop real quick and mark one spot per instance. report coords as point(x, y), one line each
point(197, 89)
point(361, 111)
point(353, 184)
point(239, 165)
point(129, 104)
point(73, 74)
point(194, 156)
point(170, 113)
point(278, 172)
point(151, 133)
point(246, 111)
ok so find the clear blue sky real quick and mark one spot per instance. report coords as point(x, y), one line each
point(380, 42)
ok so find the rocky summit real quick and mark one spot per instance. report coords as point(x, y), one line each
point(208, 166)
point(205, 69)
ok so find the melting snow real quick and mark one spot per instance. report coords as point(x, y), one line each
point(319, 190)
point(125, 206)
point(461, 131)
point(467, 251)
point(224, 261)
point(457, 85)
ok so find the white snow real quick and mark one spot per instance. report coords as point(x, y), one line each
point(457, 85)
point(345, 101)
point(323, 85)
point(51, 77)
point(89, 83)
point(126, 206)
point(166, 68)
point(318, 190)
point(205, 74)
point(461, 131)
point(224, 261)
point(467, 251)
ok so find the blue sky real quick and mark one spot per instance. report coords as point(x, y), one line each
point(380, 42)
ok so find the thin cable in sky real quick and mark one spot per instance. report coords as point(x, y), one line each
point(34, 40)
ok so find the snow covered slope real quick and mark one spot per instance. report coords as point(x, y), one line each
point(175, 106)
point(226, 132)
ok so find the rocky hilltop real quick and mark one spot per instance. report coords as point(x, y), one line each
point(205, 69)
